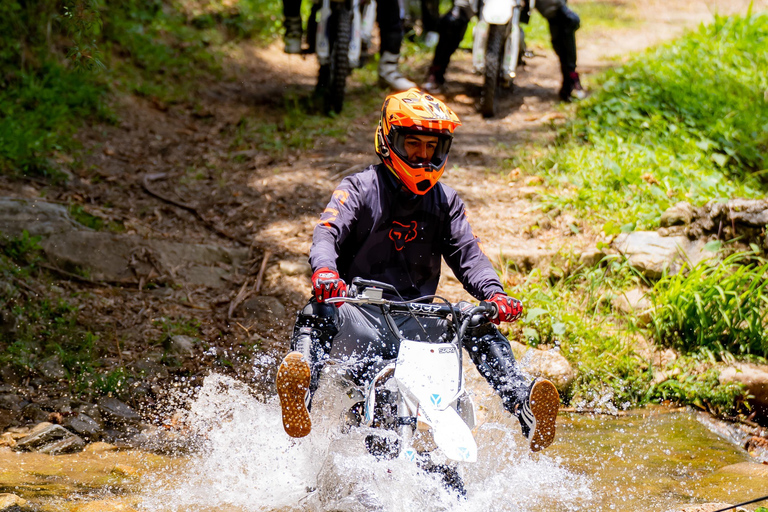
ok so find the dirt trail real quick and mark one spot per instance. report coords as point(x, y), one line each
point(274, 201)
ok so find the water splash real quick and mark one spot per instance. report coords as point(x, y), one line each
point(244, 462)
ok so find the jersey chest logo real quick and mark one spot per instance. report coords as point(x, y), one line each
point(402, 233)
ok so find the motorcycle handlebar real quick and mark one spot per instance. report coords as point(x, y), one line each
point(356, 293)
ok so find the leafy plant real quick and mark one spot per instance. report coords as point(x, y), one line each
point(659, 131)
point(722, 307)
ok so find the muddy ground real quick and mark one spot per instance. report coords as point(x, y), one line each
point(218, 189)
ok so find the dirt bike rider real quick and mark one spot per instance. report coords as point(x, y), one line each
point(390, 28)
point(393, 222)
point(563, 23)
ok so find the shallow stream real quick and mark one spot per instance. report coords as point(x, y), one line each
point(650, 460)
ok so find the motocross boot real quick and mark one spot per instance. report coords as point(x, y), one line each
point(390, 76)
point(562, 27)
point(534, 404)
point(299, 372)
point(292, 37)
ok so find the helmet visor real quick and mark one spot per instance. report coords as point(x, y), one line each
point(398, 138)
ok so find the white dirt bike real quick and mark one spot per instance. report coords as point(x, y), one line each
point(418, 401)
point(497, 48)
point(341, 29)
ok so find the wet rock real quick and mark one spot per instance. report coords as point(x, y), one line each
point(181, 345)
point(99, 447)
point(150, 366)
point(264, 309)
point(103, 506)
point(10, 502)
point(83, 425)
point(681, 213)
point(34, 412)
point(707, 507)
point(52, 440)
point(161, 440)
point(751, 469)
point(117, 412)
point(7, 439)
point(7, 418)
point(11, 401)
point(124, 470)
point(52, 369)
point(10, 375)
point(295, 268)
point(754, 377)
point(37, 218)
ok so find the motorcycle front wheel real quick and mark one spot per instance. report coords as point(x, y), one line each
point(489, 97)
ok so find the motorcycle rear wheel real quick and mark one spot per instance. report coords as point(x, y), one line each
point(489, 97)
point(333, 76)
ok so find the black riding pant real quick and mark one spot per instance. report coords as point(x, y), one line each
point(359, 338)
point(563, 23)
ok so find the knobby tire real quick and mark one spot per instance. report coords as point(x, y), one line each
point(494, 53)
point(340, 58)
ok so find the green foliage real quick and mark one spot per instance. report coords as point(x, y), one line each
point(40, 112)
point(660, 130)
point(694, 381)
point(575, 313)
point(722, 307)
point(24, 249)
point(172, 327)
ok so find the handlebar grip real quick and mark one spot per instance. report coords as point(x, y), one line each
point(490, 308)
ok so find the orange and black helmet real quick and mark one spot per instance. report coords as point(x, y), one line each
point(414, 113)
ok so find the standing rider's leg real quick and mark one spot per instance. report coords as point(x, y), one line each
point(292, 25)
point(535, 403)
point(390, 21)
point(452, 28)
point(563, 24)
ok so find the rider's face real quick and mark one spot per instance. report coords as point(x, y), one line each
point(420, 148)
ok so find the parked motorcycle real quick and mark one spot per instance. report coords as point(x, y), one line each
point(418, 402)
point(497, 50)
point(337, 31)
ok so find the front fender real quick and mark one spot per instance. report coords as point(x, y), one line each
point(498, 12)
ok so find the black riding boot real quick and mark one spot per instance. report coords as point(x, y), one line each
point(452, 28)
point(562, 27)
point(313, 333)
point(492, 354)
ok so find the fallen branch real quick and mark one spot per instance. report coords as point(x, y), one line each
point(241, 295)
point(191, 209)
point(262, 269)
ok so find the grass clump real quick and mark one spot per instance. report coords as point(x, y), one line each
point(686, 121)
point(615, 366)
point(721, 308)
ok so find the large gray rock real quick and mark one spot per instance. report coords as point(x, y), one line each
point(754, 377)
point(121, 258)
point(653, 254)
point(38, 218)
point(549, 364)
point(53, 440)
point(103, 256)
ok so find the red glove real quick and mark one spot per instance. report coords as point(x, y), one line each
point(510, 308)
point(327, 283)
